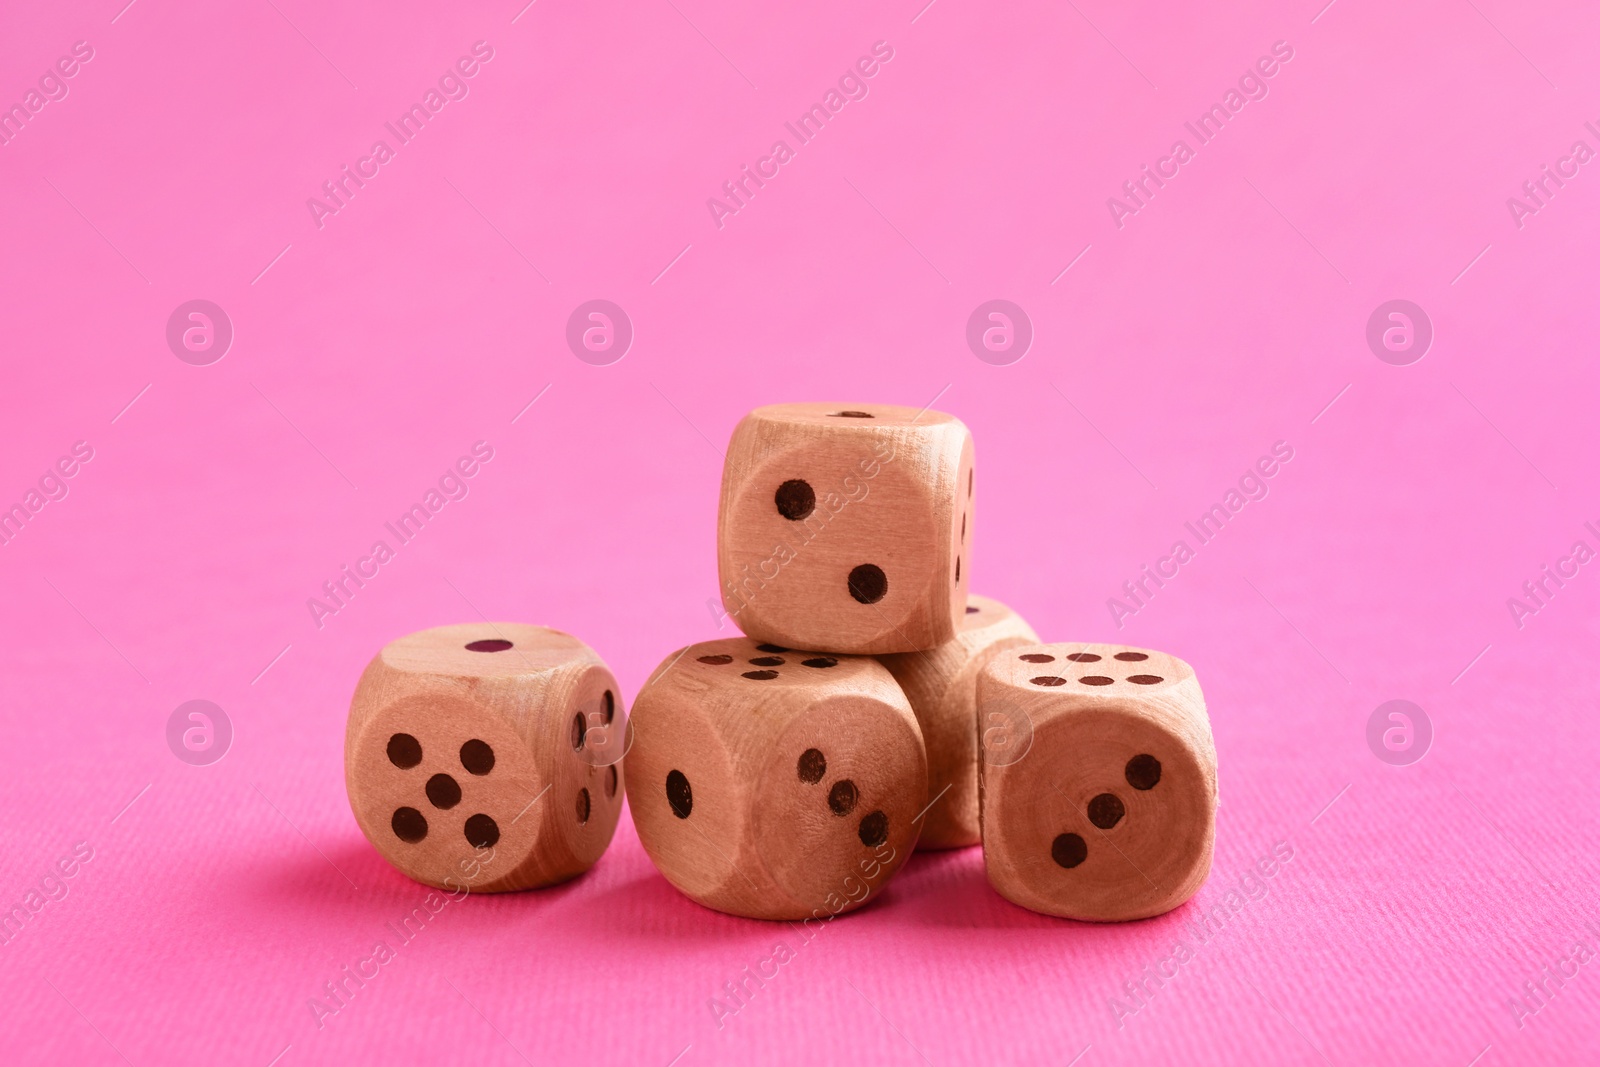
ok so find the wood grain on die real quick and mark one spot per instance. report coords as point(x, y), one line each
point(772, 783)
point(486, 756)
point(847, 527)
point(1108, 811)
point(942, 685)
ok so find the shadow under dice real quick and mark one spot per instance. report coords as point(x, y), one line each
point(486, 757)
point(1110, 813)
point(775, 784)
point(846, 528)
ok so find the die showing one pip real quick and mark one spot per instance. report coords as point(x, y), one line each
point(846, 528)
point(485, 756)
point(775, 784)
point(942, 685)
point(1098, 781)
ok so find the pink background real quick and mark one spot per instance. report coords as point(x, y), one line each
point(425, 315)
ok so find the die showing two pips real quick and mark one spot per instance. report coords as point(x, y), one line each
point(845, 528)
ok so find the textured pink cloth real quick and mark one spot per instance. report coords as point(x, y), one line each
point(1420, 914)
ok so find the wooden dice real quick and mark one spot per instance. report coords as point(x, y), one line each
point(485, 757)
point(846, 527)
point(1099, 797)
point(942, 685)
point(775, 784)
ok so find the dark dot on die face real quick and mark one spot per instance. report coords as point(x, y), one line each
point(970, 473)
point(963, 526)
point(1096, 679)
point(1105, 810)
point(1144, 679)
point(1083, 657)
point(611, 782)
point(583, 805)
point(868, 583)
point(679, 797)
point(716, 661)
point(404, 751)
point(1143, 771)
point(1068, 850)
point(958, 569)
point(493, 644)
point(608, 707)
point(409, 825)
point(477, 757)
point(842, 797)
point(481, 831)
point(1131, 657)
point(795, 499)
point(971, 610)
point(443, 792)
point(874, 829)
point(812, 766)
point(759, 676)
point(1048, 679)
point(820, 662)
point(1036, 657)
point(579, 729)
point(768, 661)
point(771, 648)
point(851, 415)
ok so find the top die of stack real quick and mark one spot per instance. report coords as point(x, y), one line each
point(847, 528)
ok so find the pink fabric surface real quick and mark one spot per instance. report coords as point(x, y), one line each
point(372, 346)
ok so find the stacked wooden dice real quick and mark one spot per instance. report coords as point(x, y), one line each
point(872, 707)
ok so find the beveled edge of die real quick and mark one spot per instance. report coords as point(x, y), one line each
point(1063, 676)
point(795, 669)
point(761, 432)
point(848, 415)
point(966, 615)
point(534, 650)
point(1179, 702)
